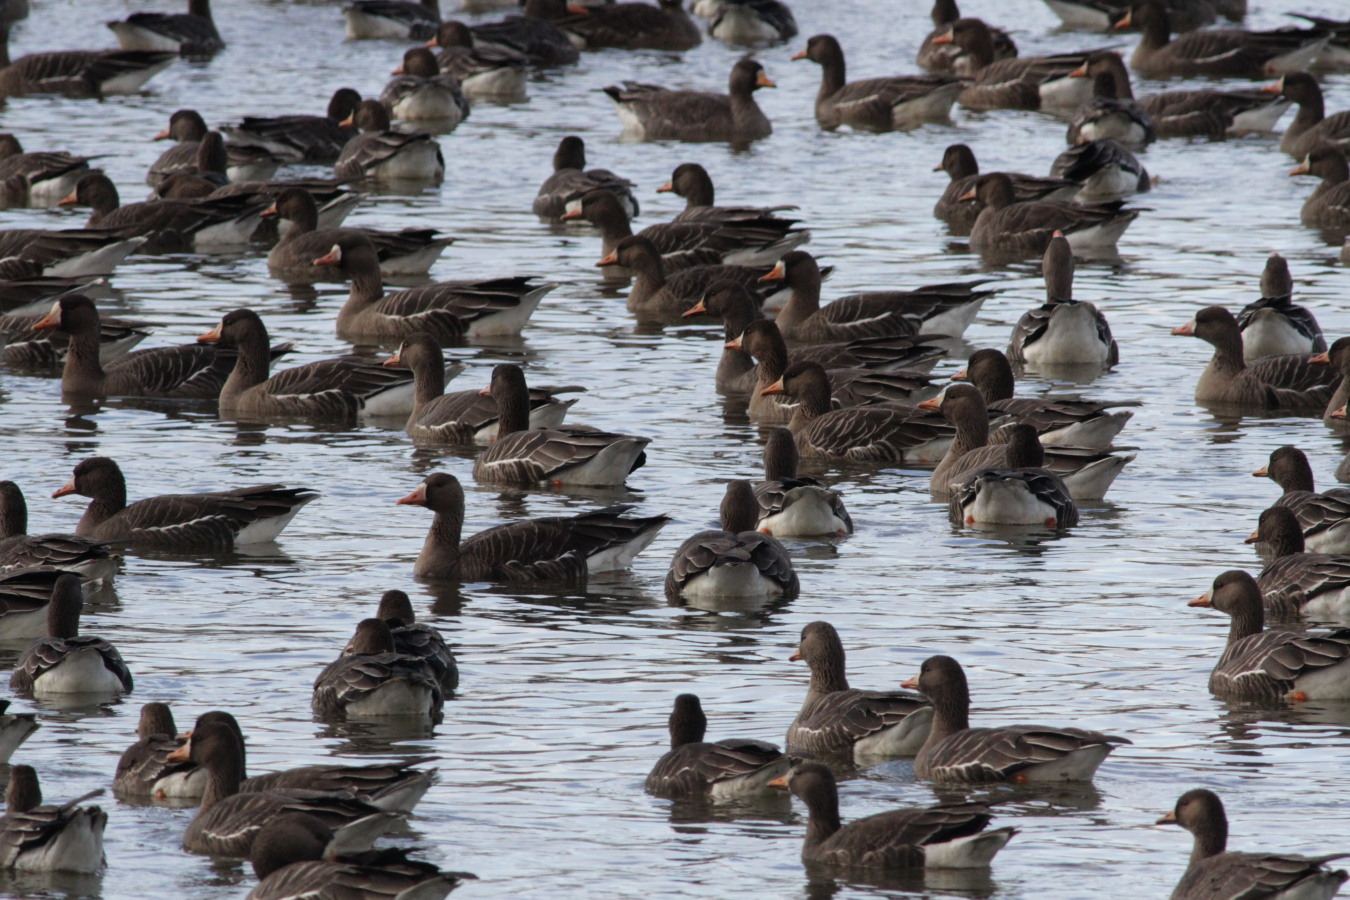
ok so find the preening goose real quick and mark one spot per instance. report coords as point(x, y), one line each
point(735, 562)
point(1324, 518)
point(409, 251)
point(301, 138)
point(793, 506)
point(1106, 170)
point(72, 252)
point(571, 180)
point(653, 113)
point(65, 661)
point(959, 208)
point(722, 770)
point(1314, 585)
point(78, 73)
point(1062, 331)
point(421, 91)
point(15, 728)
point(144, 771)
point(192, 34)
point(484, 71)
point(371, 679)
point(41, 837)
point(383, 154)
point(1274, 325)
point(82, 556)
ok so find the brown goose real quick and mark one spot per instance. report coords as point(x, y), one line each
point(735, 562)
point(1017, 489)
point(78, 73)
point(558, 456)
point(692, 182)
point(1106, 170)
point(170, 225)
point(571, 180)
point(418, 638)
point(656, 294)
point(939, 837)
point(1315, 585)
point(192, 34)
point(1328, 206)
point(72, 252)
point(420, 91)
point(793, 506)
point(1026, 82)
point(144, 770)
point(15, 728)
point(1006, 230)
point(41, 837)
point(484, 71)
point(1062, 331)
point(81, 556)
point(464, 417)
point(1336, 359)
point(723, 770)
point(836, 719)
point(1273, 382)
point(51, 174)
point(33, 349)
point(384, 154)
point(533, 34)
point(409, 251)
point(1323, 517)
point(370, 679)
point(949, 57)
point(751, 23)
point(447, 310)
point(900, 102)
point(957, 753)
point(653, 113)
point(632, 26)
point(65, 661)
point(1112, 112)
point(1214, 872)
point(188, 130)
point(301, 138)
point(960, 210)
point(530, 550)
point(1274, 325)
point(218, 521)
point(1311, 125)
point(1213, 114)
point(400, 20)
point(1273, 666)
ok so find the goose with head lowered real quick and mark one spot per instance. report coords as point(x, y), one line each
point(1213, 114)
point(791, 505)
point(1106, 170)
point(749, 23)
point(735, 561)
point(1006, 230)
point(1274, 325)
point(661, 294)
point(43, 837)
point(65, 661)
point(50, 174)
point(1062, 331)
point(653, 113)
point(1323, 517)
point(692, 182)
point(1313, 585)
point(959, 207)
point(722, 770)
point(421, 91)
point(70, 252)
point(78, 73)
point(371, 679)
point(82, 556)
point(547, 549)
point(1015, 488)
point(571, 180)
point(383, 154)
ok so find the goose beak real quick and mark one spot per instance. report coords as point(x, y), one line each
point(1252, 538)
point(1302, 168)
point(775, 388)
point(392, 362)
point(762, 80)
point(162, 136)
point(1261, 472)
point(933, 403)
point(961, 376)
point(944, 38)
point(330, 259)
point(777, 273)
point(1276, 88)
point(1080, 72)
point(734, 343)
point(434, 42)
point(486, 392)
point(183, 753)
point(667, 188)
point(800, 54)
point(1321, 359)
point(68, 200)
point(1339, 414)
point(211, 337)
point(50, 321)
point(911, 683)
point(781, 782)
point(398, 71)
point(796, 656)
point(66, 489)
point(571, 214)
point(611, 260)
point(1187, 330)
point(416, 498)
point(968, 195)
point(577, 9)
point(698, 309)
point(1203, 600)
point(1169, 819)
point(349, 121)
point(270, 212)
point(1125, 21)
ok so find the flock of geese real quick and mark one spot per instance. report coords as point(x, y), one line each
point(844, 381)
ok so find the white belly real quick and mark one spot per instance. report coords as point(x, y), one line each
point(416, 162)
point(1000, 502)
point(902, 739)
point(731, 580)
point(395, 698)
point(78, 847)
point(81, 672)
point(1071, 338)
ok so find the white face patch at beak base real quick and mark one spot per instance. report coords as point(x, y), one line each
point(573, 207)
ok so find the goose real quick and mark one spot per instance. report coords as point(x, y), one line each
point(900, 102)
point(1335, 359)
point(1062, 331)
point(533, 34)
point(220, 521)
point(1328, 206)
point(1323, 518)
point(15, 728)
point(1025, 82)
point(793, 506)
point(723, 770)
point(752, 23)
point(734, 562)
point(65, 661)
point(89, 559)
point(192, 34)
point(1104, 168)
point(409, 251)
point(171, 225)
point(78, 73)
point(1272, 666)
point(398, 20)
point(464, 417)
point(1213, 114)
point(950, 836)
point(1017, 489)
point(227, 820)
point(1059, 421)
point(22, 283)
point(69, 253)
point(959, 209)
point(957, 753)
point(532, 549)
point(571, 180)
point(1314, 585)
point(1214, 872)
point(1006, 230)
point(1112, 112)
point(421, 91)
point(25, 601)
point(692, 182)
point(41, 837)
point(371, 679)
point(188, 130)
point(632, 26)
point(301, 138)
point(143, 769)
point(484, 72)
point(51, 174)
point(950, 57)
point(383, 154)
point(1274, 325)
point(418, 639)
point(1311, 125)
point(1101, 15)
point(44, 349)
point(292, 857)
point(653, 113)
point(661, 295)
point(837, 720)
point(446, 310)
point(1271, 383)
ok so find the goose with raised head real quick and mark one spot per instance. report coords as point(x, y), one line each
point(1311, 125)
point(409, 251)
point(1328, 206)
point(631, 26)
point(838, 720)
point(1062, 331)
point(144, 771)
point(957, 753)
point(1105, 169)
point(418, 638)
point(791, 505)
point(734, 562)
point(1112, 112)
point(547, 549)
point(752, 23)
point(33, 349)
point(484, 71)
point(533, 34)
point(78, 73)
point(421, 91)
point(1024, 82)
point(82, 556)
point(723, 770)
point(192, 34)
point(653, 113)
point(571, 180)
point(65, 661)
point(371, 679)
point(188, 130)
point(383, 154)
point(1274, 325)
point(1015, 488)
point(692, 182)
point(50, 174)
point(1324, 517)
point(948, 56)
point(1006, 230)
point(301, 138)
point(220, 520)
point(1314, 585)
point(662, 294)
point(959, 208)
point(398, 20)
point(43, 837)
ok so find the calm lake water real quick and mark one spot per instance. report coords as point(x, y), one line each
point(564, 697)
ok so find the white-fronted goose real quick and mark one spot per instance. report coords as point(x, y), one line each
point(1062, 331)
point(722, 770)
point(1016, 489)
point(1273, 666)
point(1323, 517)
point(752, 23)
point(959, 208)
point(41, 837)
point(51, 174)
point(1101, 15)
point(554, 548)
point(659, 295)
point(653, 113)
point(1025, 82)
point(417, 638)
point(15, 728)
point(82, 556)
point(734, 562)
point(192, 34)
point(78, 73)
point(793, 506)
point(1112, 112)
point(949, 56)
point(692, 182)
point(379, 152)
point(571, 180)
point(957, 753)
point(484, 71)
point(1311, 125)
point(170, 225)
point(421, 90)
point(1213, 114)
point(188, 130)
point(838, 720)
point(1215, 53)
point(227, 820)
point(631, 26)
point(1315, 585)
point(70, 253)
point(1104, 168)
point(144, 770)
point(1214, 873)
point(533, 34)
point(1328, 206)
point(371, 679)
point(939, 837)
point(65, 661)
point(410, 251)
point(301, 138)
point(560, 456)
point(1006, 230)
point(220, 520)
point(1273, 382)
point(900, 102)
point(1337, 359)
point(1274, 325)
point(397, 20)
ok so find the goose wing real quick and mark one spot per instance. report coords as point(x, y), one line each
point(530, 456)
point(880, 434)
point(997, 754)
point(1291, 581)
point(691, 769)
point(1239, 876)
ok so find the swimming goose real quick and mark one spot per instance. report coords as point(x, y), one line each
point(1062, 331)
point(25, 601)
point(422, 91)
point(44, 349)
point(144, 770)
point(957, 753)
point(301, 138)
point(533, 34)
point(188, 130)
point(659, 295)
point(950, 57)
point(1026, 82)
point(1311, 125)
point(722, 770)
point(1323, 517)
point(653, 113)
point(734, 562)
point(900, 102)
point(399, 20)
point(1328, 206)
point(379, 152)
point(752, 23)
point(172, 226)
point(836, 719)
point(41, 837)
point(418, 638)
point(71, 252)
point(463, 417)
point(1315, 585)
point(1217, 52)
point(571, 180)
point(560, 456)
point(692, 182)
point(1273, 666)
point(78, 73)
point(1006, 230)
point(22, 283)
point(81, 556)
point(1213, 114)
point(227, 820)
point(51, 174)
point(1273, 382)
point(65, 661)
point(1336, 359)
point(631, 26)
point(409, 251)
point(939, 837)
point(218, 521)
point(371, 679)
point(1112, 112)
point(959, 208)
point(1012, 486)
point(864, 433)
point(793, 506)
point(1214, 873)
point(15, 728)
point(484, 71)
point(192, 34)
point(1104, 168)
point(532, 549)
point(1101, 15)
point(1274, 325)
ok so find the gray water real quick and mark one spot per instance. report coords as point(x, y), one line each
point(564, 697)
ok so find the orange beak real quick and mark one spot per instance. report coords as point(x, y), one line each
point(1126, 21)
point(349, 121)
point(1261, 472)
point(577, 9)
point(1301, 169)
point(781, 782)
point(734, 343)
point(270, 212)
point(961, 376)
point(611, 260)
point(1202, 600)
point(1252, 538)
point(1276, 88)
point(777, 273)
point(68, 200)
point(434, 42)
point(571, 214)
point(944, 38)
point(182, 753)
point(1339, 414)
point(1321, 359)
point(486, 392)
point(1186, 330)
point(968, 195)
point(800, 54)
point(162, 136)
point(330, 259)
point(398, 71)
point(911, 683)
point(211, 337)
point(416, 498)
point(392, 362)
point(698, 309)
point(796, 655)
point(50, 321)
point(762, 80)
point(1169, 819)
point(68, 488)
point(775, 388)
point(1080, 72)
point(933, 403)
point(667, 188)
point(1057, 233)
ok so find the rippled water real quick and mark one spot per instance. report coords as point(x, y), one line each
point(564, 697)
